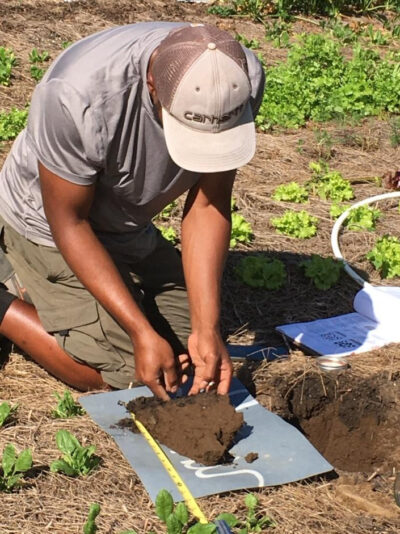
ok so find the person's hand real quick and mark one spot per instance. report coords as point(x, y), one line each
point(156, 366)
point(211, 361)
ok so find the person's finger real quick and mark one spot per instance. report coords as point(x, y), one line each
point(223, 386)
point(170, 378)
point(184, 363)
point(158, 390)
point(200, 385)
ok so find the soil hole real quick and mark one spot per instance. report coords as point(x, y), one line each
point(353, 422)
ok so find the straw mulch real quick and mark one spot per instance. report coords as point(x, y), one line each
point(352, 503)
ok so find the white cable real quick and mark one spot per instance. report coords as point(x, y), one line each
point(338, 225)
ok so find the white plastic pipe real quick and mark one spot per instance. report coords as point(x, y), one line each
point(338, 224)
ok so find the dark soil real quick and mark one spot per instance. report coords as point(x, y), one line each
point(353, 422)
point(200, 427)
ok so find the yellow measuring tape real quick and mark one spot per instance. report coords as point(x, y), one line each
point(175, 476)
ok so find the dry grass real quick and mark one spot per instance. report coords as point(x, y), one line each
point(57, 504)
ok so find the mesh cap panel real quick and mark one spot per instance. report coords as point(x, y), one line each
point(181, 48)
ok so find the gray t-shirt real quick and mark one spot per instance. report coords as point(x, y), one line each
point(91, 120)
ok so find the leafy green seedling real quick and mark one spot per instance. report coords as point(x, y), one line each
point(329, 184)
point(248, 43)
point(385, 256)
point(168, 233)
point(38, 57)
point(177, 517)
point(76, 459)
point(37, 73)
point(324, 272)
point(90, 526)
point(13, 467)
point(167, 211)
point(7, 61)
point(299, 224)
point(6, 411)
point(66, 44)
point(241, 230)
point(66, 406)
point(291, 192)
point(12, 123)
point(261, 272)
point(361, 218)
point(221, 11)
point(253, 522)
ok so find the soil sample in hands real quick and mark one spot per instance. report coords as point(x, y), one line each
point(200, 427)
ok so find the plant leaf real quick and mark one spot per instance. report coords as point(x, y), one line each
point(200, 528)
point(23, 462)
point(61, 466)
point(182, 513)
point(174, 526)
point(228, 518)
point(67, 442)
point(8, 461)
point(5, 410)
point(164, 504)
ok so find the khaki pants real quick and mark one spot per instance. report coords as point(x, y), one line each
point(82, 327)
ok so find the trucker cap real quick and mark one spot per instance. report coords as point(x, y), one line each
point(201, 79)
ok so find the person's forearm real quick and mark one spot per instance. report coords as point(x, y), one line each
point(205, 242)
point(96, 270)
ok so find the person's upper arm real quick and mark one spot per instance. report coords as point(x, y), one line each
point(64, 202)
point(64, 133)
point(214, 189)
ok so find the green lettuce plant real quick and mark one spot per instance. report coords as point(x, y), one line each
point(13, 467)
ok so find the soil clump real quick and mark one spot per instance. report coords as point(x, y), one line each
point(200, 427)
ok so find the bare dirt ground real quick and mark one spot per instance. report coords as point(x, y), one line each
point(351, 417)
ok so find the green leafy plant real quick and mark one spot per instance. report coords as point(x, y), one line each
point(66, 44)
point(6, 411)
point(37, 58)
point(324, 272)
point(361, 218)
point(318, 82)
point(13, 467)
point(261, 272)
point(167, 211)
point(248, 43)
point(291, 192)
point(76, 459)
point(12, 123)
point(7, 62)
point(241, 230)
point(168, 233)
point(278, 33)
point(66, 406)
point(253, 523)
point(377, 37)
point(90, 526)
point(329, 184)
point(385, 256)
point(177, 517)
point(222, 11)
point(299, 224)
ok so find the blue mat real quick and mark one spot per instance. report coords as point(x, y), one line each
point(284, 454)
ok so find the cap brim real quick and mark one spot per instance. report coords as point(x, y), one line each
point(199, 151)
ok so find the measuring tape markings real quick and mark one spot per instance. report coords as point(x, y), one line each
point(176, 478)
